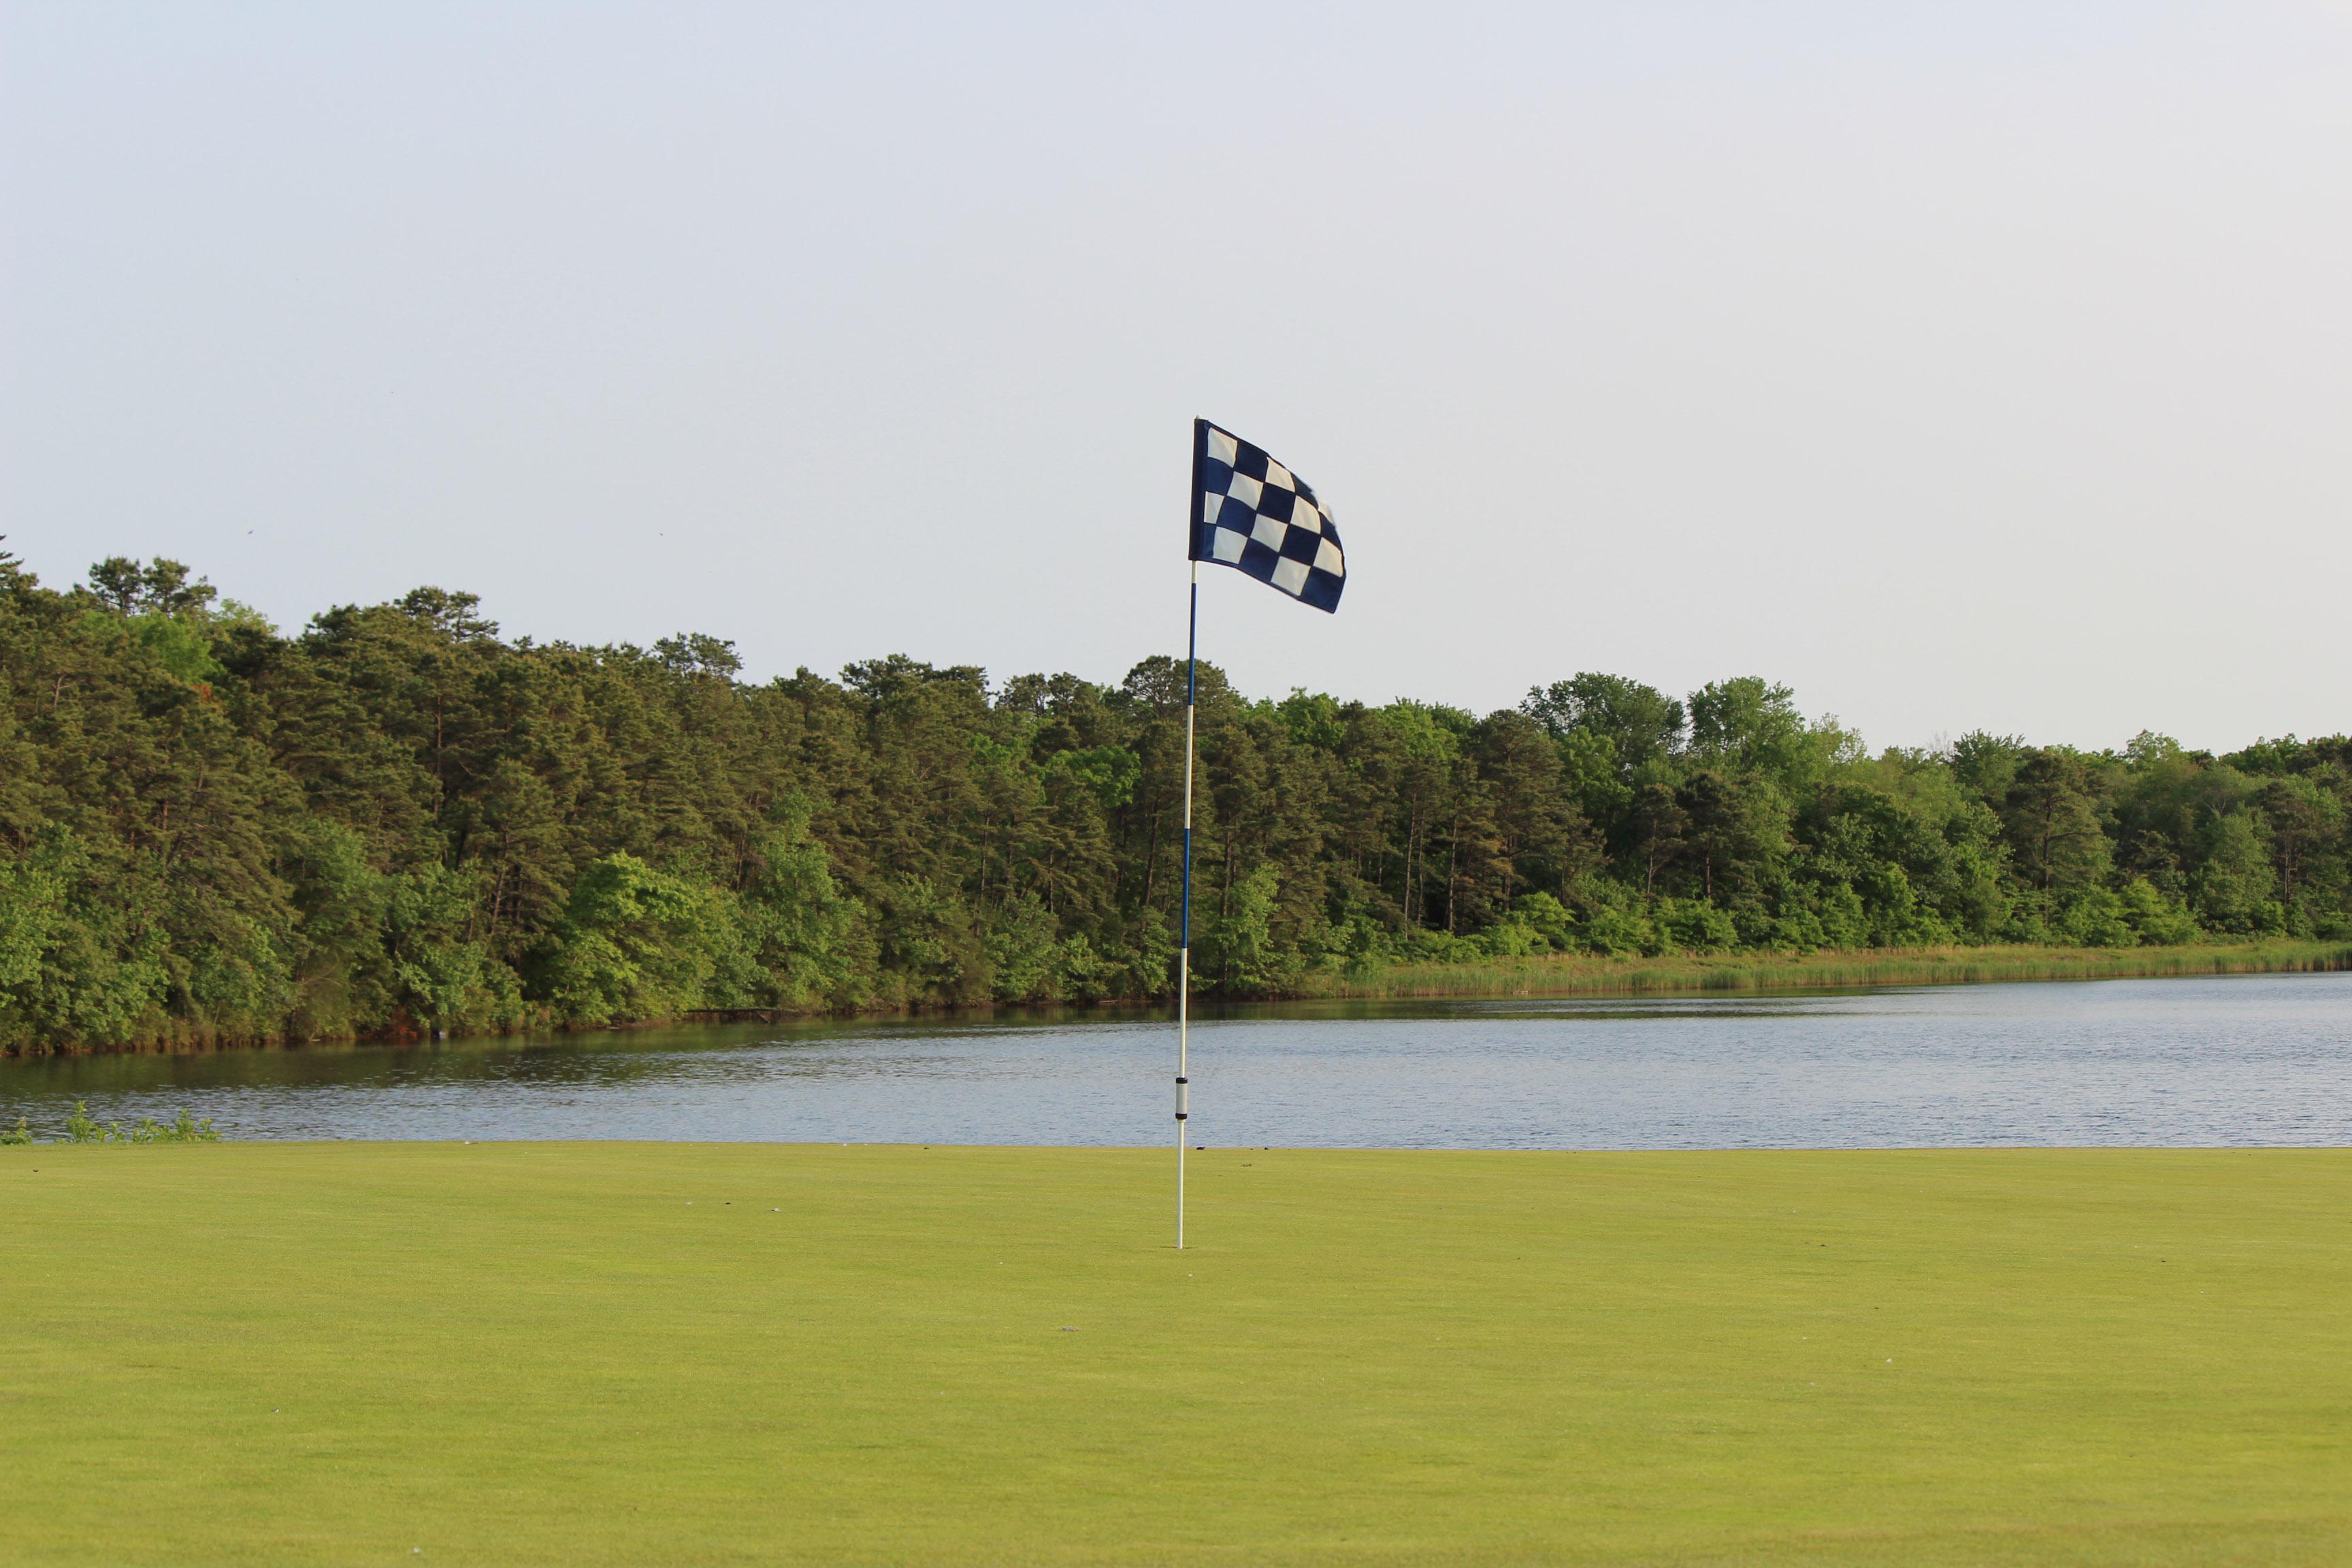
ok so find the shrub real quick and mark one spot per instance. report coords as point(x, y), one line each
point(1548, 917)
point(2095, 918)
point(1511, 937)
point(1616, 932)
point(1695, 926)
point(2155, 919)
point(83, 1127)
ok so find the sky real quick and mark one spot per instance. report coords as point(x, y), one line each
point(1966, 366)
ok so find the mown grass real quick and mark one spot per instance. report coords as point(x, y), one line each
point(646, 1354)
point(1587, 974)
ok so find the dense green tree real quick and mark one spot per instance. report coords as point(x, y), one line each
point(396, 820)
point(2050, 815)
point(1641, 723)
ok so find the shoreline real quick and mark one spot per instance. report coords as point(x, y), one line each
point(1583, 975)
point(1565, 974)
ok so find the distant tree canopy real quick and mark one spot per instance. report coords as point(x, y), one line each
point(396, 820)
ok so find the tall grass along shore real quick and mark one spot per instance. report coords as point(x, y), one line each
point(1566, 974)
point(1589, 975)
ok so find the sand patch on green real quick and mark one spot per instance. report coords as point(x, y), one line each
point(638, 1353)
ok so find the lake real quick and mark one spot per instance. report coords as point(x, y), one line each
point(2256, 1059)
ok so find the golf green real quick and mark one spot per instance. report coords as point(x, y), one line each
point(712, 1353)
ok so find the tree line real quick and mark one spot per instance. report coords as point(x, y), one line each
point(396, 820)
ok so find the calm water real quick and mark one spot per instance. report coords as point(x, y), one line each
point(2254, 1059)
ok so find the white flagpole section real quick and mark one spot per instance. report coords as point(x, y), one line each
point(1184, 947)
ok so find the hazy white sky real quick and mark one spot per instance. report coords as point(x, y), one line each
point(1960, 365)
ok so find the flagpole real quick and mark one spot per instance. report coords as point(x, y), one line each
point(1184, 944)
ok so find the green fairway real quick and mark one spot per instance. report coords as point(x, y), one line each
point(632, 1354)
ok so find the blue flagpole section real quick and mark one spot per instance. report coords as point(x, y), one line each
point(1184, 939)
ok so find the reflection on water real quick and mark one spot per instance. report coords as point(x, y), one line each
point(2250, 1060)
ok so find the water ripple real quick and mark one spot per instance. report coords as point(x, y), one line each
point(2239, 1060)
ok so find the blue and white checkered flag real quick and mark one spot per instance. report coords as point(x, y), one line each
point(1257, 516)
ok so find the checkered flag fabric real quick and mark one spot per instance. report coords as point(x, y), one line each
point(1253, 514)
